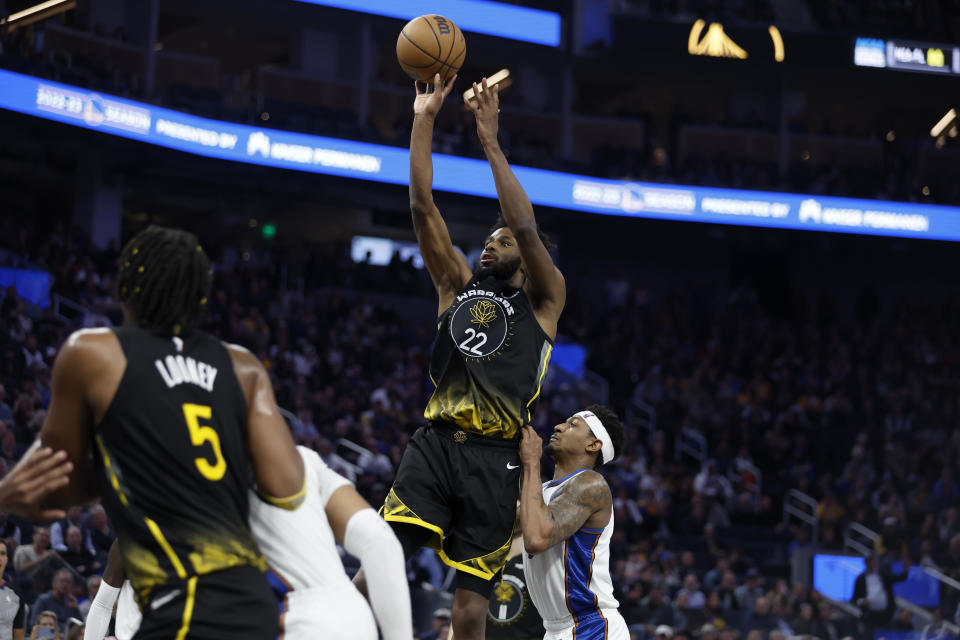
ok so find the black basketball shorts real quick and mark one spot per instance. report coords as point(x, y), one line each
point(464, 488)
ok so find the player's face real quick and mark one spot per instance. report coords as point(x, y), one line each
point(500, 257)
point(572, 436)
point(3, 557)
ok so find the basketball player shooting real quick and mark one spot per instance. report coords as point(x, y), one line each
point(177, 424)
point(567, 524)
point(458, 482)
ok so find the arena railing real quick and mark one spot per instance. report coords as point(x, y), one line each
point(640, 414)
point(691, 443)
point(799, 505)
point(859, 538)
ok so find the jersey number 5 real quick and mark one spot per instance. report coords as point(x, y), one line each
point(199, 435)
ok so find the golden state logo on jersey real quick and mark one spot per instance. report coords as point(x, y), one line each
point(480, 324)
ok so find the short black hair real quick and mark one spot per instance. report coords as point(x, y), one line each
point(614, 427)
point(544, 238)
point(164, 279)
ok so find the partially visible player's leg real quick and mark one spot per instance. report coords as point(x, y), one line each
point(469, 613)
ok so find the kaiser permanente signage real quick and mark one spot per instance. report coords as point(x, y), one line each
point(349, 159)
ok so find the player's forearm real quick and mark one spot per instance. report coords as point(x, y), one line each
point(421, 163)
point(534, 517)
point(101, 611)
point(514, 203)
point(372, 541)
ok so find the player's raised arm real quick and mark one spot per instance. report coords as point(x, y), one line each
point(545, 525)
point(276, 464)
point(448, 268)
point(546, 284)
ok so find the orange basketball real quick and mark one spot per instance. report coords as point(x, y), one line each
point(429, 45)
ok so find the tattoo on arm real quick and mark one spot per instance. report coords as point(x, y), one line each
point(574, 505)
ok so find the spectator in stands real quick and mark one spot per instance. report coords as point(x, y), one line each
point(760, 617)
point(713, 578)
point(59, 600)
point(30, 559)
point(99, 534)
point(9, 530)
point(826, 628)
point(46, 620)
point(873, 593)
point(710, 482)
point(939, 629)
point(93, 585)
point(77, 555)
point(441, 625)
point(691, 590)
point(58, 530)
point(657, 610)
point(749, 592)
point(6, 413)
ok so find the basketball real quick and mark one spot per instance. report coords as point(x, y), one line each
point(429, 45)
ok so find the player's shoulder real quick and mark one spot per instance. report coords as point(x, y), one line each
point(86, 347)
point(591, 484)
point(246, 365)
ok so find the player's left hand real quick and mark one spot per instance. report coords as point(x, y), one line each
point(486, 108)
point(531, 446)
point(40, 472)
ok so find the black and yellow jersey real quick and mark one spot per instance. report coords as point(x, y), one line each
point(488, 361)
point(173, 460)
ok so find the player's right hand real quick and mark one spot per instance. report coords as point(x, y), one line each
point(40, 472)
point(429, 99)
point(531, 446)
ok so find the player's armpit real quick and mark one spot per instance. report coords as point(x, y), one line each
point(277, 466)
point(570, 510)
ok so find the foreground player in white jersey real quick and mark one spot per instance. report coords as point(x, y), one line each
point(316, 598)
point(567, 524)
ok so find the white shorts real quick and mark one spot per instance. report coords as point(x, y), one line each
point(314, 613)
point(609, 625)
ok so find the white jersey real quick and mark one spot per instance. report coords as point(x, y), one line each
point(305, 567)
point(570, 583)
point(128, 613)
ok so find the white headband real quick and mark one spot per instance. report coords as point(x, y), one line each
point(606, 448)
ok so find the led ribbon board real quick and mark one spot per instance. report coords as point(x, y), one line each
point(480, 16)
point(349, 159)
point(905, 55)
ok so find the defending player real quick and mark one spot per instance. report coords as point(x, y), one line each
point(178, 424)
point(567, 524)
point(458, 482)
point(305, 569)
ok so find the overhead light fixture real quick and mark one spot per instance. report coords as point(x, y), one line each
point(944, 122)
point(38, 12)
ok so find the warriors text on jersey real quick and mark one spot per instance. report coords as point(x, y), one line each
point(488, 360)
point(175, 472)
point(570, 582)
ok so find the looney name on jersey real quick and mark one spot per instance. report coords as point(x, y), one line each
point(177, 370)
point(473, 293)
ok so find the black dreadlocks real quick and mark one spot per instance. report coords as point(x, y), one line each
point(164, 279)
